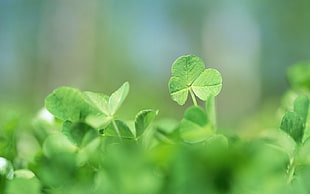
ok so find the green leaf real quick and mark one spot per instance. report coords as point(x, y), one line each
point(189, 74)
point(67, 104)
point(107, 105)
point(188, 68)
point(118, 97)
point(143, 119)
point(178, 90)
point(98, 101)
point(209, 83)
point(293, 125)
point(118, 125)
point(194, 128)
point(301, 106)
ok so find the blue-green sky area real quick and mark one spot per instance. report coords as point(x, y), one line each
point(99, 44)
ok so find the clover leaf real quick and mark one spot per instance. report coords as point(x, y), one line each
point(68, 104)
point(190, 76)
point(105, 104)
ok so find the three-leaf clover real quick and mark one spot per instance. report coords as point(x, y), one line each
point(190, 76)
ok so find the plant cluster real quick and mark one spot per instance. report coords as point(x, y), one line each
point(84, 147)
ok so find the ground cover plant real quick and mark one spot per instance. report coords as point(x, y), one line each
point(81, 146)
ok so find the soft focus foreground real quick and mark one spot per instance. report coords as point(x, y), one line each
point(80, 145)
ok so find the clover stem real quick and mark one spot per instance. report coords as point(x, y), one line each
point(116, 128)
point(193, 97)
point(211, 112)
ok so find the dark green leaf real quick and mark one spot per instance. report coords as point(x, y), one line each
point(293, 124)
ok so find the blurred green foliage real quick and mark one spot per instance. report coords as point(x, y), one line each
point(72, 154)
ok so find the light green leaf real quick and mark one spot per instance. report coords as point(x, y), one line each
point(178, 90)
point(188, 68)
point(189, 75)
point(67, 104)
point(98, 101)
point(293, 125)
point(118, 97)
point(209, 83)
point(143, 119)
point(118, 125)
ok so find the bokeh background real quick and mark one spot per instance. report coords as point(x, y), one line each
point(98, 44)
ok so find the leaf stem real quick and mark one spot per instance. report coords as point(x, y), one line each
point(193, 97)
point(116, 128)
